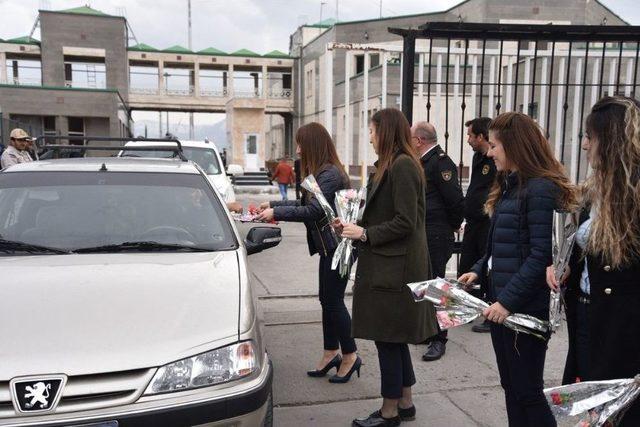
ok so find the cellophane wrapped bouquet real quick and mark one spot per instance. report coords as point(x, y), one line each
point(454, 307)
point(349, 203)
point(311, 185)
point(592, 403)
point(565, 225)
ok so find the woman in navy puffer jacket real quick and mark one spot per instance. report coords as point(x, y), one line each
point(530, 185)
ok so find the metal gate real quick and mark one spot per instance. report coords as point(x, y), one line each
point(554, 73)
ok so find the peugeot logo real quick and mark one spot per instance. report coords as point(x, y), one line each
point(38, 393)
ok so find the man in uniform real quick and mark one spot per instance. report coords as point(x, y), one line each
point(16, 152)
point(444, 211)
point(476, 230)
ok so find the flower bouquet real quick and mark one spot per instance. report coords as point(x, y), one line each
point(311, 185)
point(250, 215)
point(564, 232)
point(348, 204)
point(593, 403)
point(455, 307)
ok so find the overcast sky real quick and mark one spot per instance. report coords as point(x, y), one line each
point(229, 25)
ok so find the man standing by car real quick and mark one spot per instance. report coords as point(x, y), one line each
point(284, 176)
point(16, 152)
point(444, 211)
point(476, 230)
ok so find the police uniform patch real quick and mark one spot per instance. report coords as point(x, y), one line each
point(485, 169)
point(446, 175)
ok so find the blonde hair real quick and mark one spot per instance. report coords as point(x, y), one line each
point(614, 185)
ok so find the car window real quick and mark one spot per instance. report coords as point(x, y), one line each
point(74, 210)
point(205, 157)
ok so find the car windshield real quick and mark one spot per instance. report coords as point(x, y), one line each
point(79, 210)
point(205, 157)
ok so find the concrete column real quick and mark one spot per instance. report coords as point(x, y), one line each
point(62, 128)
point(383, 100)
point(230, 82)
point(328, 91)
point(265, 82)
point(364, 132)
point(3, 68)
point(161, 83)
point(348, 135)
point(196, 79)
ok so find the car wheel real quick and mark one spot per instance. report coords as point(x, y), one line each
point(268, 418)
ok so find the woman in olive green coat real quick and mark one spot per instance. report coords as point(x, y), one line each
point(393, 252)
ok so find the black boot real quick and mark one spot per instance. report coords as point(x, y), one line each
point(482, 327)
point(435, 351)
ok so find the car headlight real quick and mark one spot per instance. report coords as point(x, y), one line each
point(213, 367)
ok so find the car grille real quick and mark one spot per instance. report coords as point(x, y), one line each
point(87, 392)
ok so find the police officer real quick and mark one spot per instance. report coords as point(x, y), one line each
point(476, 230)
point(444, 211)
point(17, 151)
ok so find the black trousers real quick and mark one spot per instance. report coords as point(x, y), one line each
point(521, 365)
point(336, 321)
point(474, 245)
point(396, 369)
point(440, 244)
point(582, 340)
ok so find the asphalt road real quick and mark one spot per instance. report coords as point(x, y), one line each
point(461, 389)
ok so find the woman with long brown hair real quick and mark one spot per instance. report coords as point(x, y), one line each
point(530, 185)
point(603, 290)
point(318, 157)
point(392, 252)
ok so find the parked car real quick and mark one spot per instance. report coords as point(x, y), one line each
point(204, 153)
point(125, 298)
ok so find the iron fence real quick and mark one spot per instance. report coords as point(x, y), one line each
point(554, 73)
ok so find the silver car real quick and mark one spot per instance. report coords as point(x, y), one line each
point(125, 298)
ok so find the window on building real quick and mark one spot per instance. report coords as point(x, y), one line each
point(76, 128)
point(308, 87)
point(359, 64)
point(286, 81)
point(374, 59)
point(85, 74)
point(49, 128)
point(24, 72)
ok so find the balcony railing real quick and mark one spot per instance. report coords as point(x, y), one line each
point(214, 93)
point(144, 90)
point(180, 92)
point(280, 93)
point(247, 93)
point(23, 81)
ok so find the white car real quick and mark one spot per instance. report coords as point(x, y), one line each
point(204, 153)
point(125, 298)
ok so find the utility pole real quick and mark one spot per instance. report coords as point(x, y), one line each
point(337, 10)
point(322, 3)
point(380, 8)
point(191, 125)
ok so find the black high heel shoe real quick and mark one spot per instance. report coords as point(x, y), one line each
point(336, 379)
point(334, 363)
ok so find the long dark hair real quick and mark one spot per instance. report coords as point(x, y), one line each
point(526, 147)
point(394, 137)
point(614, 185)
point(317, 150)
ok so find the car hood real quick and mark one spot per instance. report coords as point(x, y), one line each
point(94, 313)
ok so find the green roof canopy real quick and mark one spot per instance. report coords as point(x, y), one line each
point(325, 23)
point(84, 10)
point(212, 51)
point(177, 49)
point(23, 40)
point(244, 52)
point(143, 47)
point(276, 54)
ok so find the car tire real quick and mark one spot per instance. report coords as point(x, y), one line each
point(268, 418)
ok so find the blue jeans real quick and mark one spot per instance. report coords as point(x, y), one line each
point(283, 190)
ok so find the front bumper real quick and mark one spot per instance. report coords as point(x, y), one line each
point(244, 404)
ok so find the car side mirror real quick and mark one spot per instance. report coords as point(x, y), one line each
point(261, 238)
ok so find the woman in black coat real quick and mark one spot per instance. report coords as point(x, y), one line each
point(603, 290)
point(530, 185)
point(318, 157)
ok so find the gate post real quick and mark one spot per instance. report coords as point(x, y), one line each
point(408, 59)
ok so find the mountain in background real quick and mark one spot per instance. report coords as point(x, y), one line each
point(216, 132)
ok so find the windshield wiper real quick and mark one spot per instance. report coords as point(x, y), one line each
point(140, 246)
point(10, 246)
